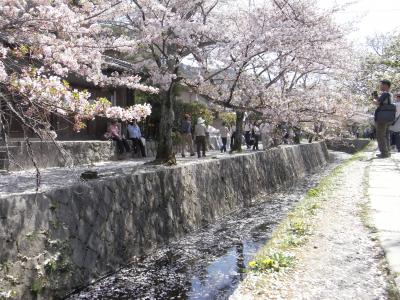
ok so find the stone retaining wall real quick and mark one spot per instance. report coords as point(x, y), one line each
point(62, 154)
point(53, 242)
point(350, 146)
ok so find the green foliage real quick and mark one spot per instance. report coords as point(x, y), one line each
point(273, 262)
point(295, 230)
point(229, 118)
point(313, 193)
point(142, 97)
point(194, 109)
point(313, 208)
point(33, 236)
point(38, 285)
point(5, 266)
point(299, 227)
point(50, 266)
point(176, 138)
point(58, 264)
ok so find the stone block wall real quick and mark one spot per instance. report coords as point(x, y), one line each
point(350, 146)
point(59, 154)
point(59, 240)
point(62, 154)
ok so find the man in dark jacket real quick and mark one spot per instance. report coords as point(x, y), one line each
point(187, 140)
point(382, 128)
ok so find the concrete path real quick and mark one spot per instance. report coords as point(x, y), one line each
point(339, 259)
point(384, 191)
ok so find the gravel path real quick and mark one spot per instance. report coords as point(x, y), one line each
point(340, 260)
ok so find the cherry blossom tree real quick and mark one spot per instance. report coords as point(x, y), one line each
point(42, 43)
point(167, 32)
point(380, 61)
point(278, 59)
point(268, 57)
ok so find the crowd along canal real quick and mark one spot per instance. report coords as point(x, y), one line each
point(210, 263)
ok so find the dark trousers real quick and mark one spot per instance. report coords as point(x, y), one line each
point(233, 137)
point(122, 144)
point(201, 145)
point(256, 139)
point(247, 136)
point(137, 143)
point(396, 140)
point(224, 142)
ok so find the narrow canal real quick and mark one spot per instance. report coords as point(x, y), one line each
point(210, 263)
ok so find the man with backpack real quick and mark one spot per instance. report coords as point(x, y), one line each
point(384, 117)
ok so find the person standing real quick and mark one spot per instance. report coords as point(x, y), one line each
point(135, 135)
point(297, 135)
point(200, 132)
point(233, 136)
point(382, 128)
point(290, 134)
point(114, 133)
point(247, 134)
point(256, 135)
point(395, 128)
point(265, 131)
point(187, 140)
point(224, 131)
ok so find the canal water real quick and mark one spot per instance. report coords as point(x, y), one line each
point(211, 262)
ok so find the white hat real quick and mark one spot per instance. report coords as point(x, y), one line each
point(200, 121)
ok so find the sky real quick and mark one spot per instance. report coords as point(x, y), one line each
point(370, 17)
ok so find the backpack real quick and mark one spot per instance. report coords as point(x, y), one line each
point(386, 113)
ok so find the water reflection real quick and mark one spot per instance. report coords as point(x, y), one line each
point(220, 276)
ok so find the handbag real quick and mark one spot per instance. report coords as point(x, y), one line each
point(385, 113)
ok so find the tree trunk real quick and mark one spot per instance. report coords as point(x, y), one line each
point(165, 146)
point(4, 154)
point(239, 131)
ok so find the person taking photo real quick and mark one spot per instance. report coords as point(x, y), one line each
point(382, 122)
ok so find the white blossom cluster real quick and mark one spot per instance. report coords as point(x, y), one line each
point(55, 95)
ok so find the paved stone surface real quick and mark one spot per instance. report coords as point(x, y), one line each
point(384, 191)
point(340, 261)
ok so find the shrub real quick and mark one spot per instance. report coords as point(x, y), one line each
point(273, 262)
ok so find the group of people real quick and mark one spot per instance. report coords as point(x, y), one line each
point(200, 137)
point(256, 132)
point(201, 134)
point(253, 133)
point(134, 134)
point(387, 132)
